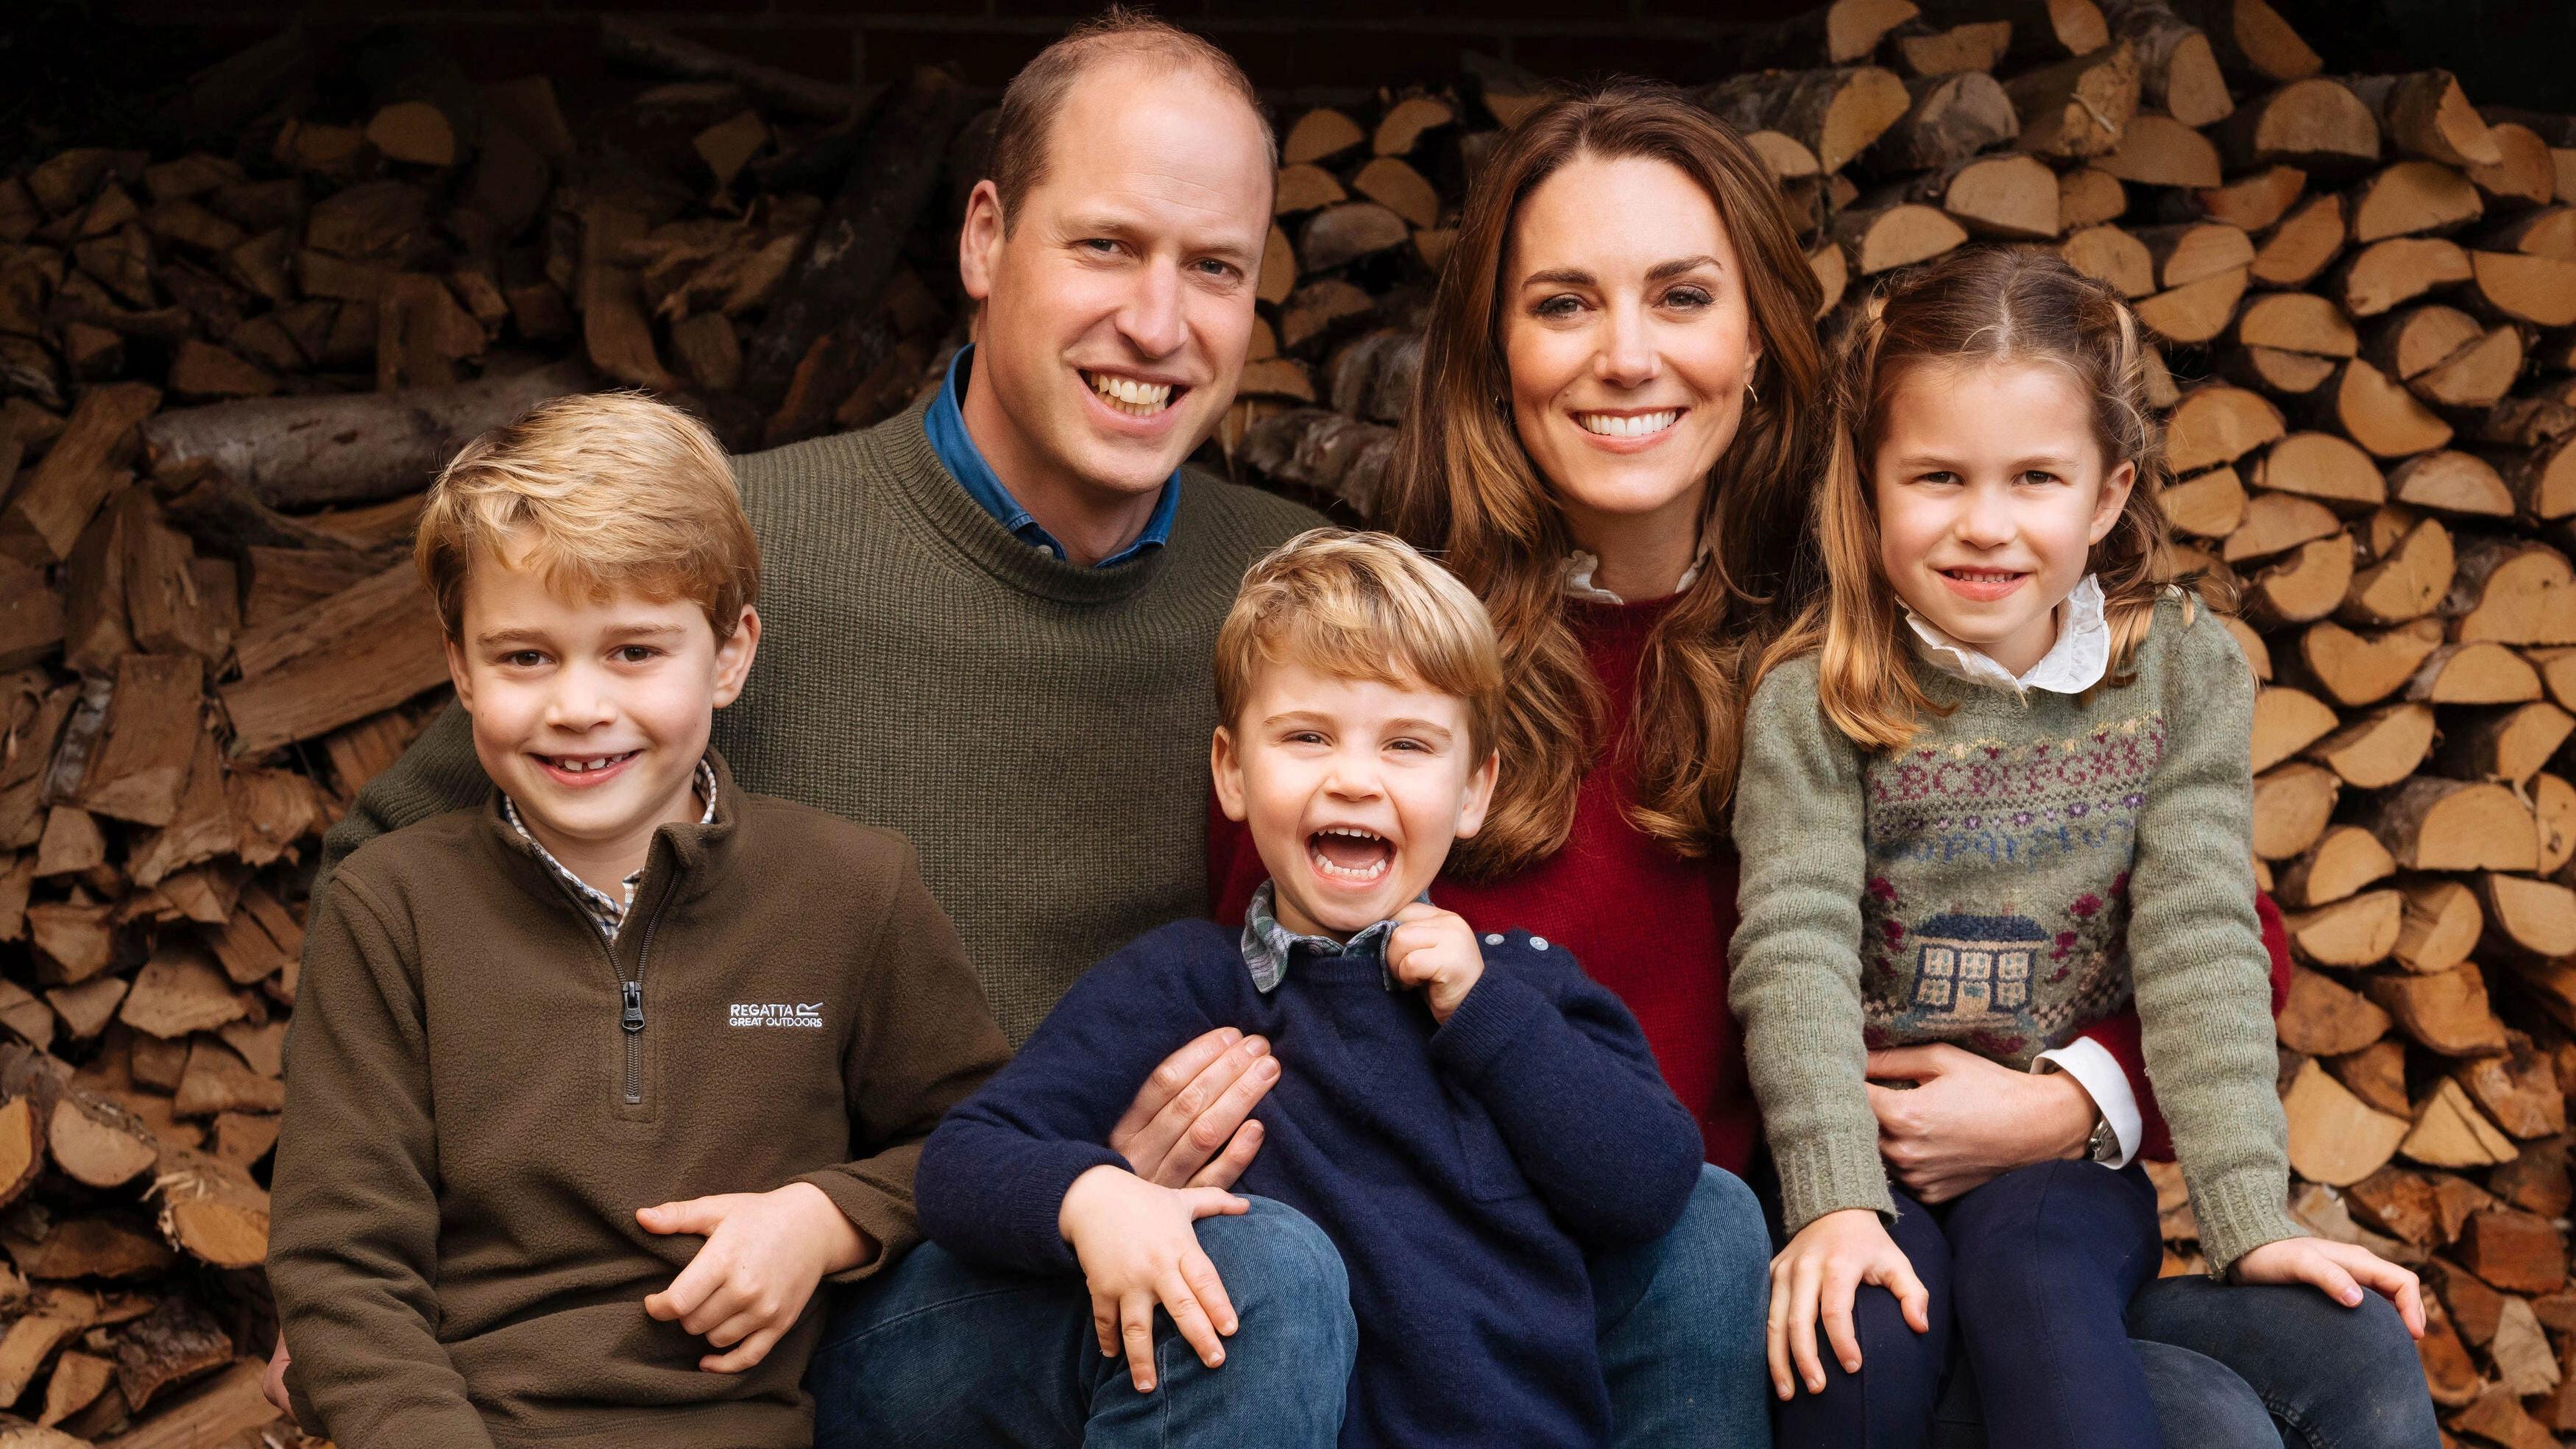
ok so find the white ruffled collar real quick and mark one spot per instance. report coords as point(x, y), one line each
point(1581, 566)
point(2074, 664)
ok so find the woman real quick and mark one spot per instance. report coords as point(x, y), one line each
point(1616, 433)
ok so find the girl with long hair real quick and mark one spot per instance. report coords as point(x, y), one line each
point(1996, 783)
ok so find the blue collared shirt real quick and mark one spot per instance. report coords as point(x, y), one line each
point(956, 448)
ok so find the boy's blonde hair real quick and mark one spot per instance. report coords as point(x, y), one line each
point(1361, 606)
point(594, 492)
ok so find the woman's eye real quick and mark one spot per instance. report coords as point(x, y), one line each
point(1688, 298)
point(1559, 306)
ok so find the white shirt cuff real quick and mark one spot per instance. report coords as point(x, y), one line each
point(2098, 1072)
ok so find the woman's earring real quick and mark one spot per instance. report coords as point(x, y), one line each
point(1750, 390)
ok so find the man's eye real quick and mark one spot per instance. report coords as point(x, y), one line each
point(1211, 267)
point(1097, 245)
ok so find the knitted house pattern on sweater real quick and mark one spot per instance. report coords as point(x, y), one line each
point(1999, 970)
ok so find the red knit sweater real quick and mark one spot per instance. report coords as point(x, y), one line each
point(1653, 926)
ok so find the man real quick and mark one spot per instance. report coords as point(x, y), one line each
point(996, 616)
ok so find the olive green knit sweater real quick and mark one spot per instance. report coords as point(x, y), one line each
point(1038, 729)
point(2018, 870)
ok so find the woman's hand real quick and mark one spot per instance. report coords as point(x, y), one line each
point(1813, 1280)
point(1967, 1120)
point(2339, 1270)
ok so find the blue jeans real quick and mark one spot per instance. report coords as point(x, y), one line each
point(2225, 1367)
point(939, 1352)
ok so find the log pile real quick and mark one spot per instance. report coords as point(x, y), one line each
point(228, 365)
point(230, 360)
point(2363, 290)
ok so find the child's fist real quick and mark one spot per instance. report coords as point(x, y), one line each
point(763, 1254)
point(2340, 1269)
point(1435, 950)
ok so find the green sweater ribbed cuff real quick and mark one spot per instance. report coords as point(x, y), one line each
point(1827, 1172)
point(2241, 1212)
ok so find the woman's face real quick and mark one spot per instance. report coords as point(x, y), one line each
point(1629, 338)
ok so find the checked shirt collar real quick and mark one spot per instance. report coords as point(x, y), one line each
point(605, 911)
point(1267, 944)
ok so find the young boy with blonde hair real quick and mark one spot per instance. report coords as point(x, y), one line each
point(592, 1085)
point(1464, 1116)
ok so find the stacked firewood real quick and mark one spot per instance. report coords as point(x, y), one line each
point(229, 361)
point(2363, 289)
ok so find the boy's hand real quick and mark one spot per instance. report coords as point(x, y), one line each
point(1435, 950)
point(1815, 1277)
point(2340, 1269)
point(765, 1252)
point(1138, 1248)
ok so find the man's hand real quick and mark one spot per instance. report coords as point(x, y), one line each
point(2339, 1270)
point(1967, 1121)
point(272, 1385)
point(1815, 1278)
point(1197, 1102)
point(1138, 1248)
point(765, 1252)
point(1435, 950)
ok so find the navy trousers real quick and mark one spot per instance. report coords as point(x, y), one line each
point(2032, 1273)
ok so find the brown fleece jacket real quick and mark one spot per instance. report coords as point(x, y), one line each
point(483, 1091)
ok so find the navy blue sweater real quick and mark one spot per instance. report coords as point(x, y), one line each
point(1463, 1169)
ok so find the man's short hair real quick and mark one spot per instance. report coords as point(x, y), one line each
point(1036, 94)
point(595, 492)
point(1361, 606)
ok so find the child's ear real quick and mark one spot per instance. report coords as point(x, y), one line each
point(1480, 795)
point(734, 655)
point(456, 673)
point(2115, 496)
point(1225, 767)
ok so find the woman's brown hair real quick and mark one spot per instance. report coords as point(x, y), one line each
point(1464, 489)
point(1982, 305)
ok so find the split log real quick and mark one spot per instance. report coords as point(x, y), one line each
point(2380, 748)
point(2211, 505)
point(2014, 197)
point(2505, 745)
point(2360, 931)
point(211, 1210)
point(2513, 593)
point(2425, 114)
point(2377, 1075)
point(2412, 197)
point(367, 648)
point(2460, 484)
point(2309, 584)
point(2450, 1131)
point(2406, 580)
point(1979, 45)
point(2391, 273)
point(2078, 107)
point(1322, 134)
point(2324, 1018)
point(1837, 34)
point(2343, 861)
point(1882, 239)
point(2446, 1011)
point(1339, 235)
point(2334, 1138)
point(2359, 669)
point(1835, 112)
point(2315, 124)
point(2515, 1251)
point(2158, 150)
point(2527, 176)
point(1951, 118)
point(2536, 917)
point(2250, 39)
point(2292, 804)
point(2218, 424)
point(2111, 256)
point(2533, 289)
point(2474, 674)
point(1400, 131)
point(653, 48)
point(2430, 824)
point(173, 1344)
point(2519, 1089)
point(2287, 721)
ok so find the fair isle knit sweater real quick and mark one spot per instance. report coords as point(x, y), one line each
point(2022, 867)
point(1037, 729)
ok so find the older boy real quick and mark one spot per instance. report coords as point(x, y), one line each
point(507, 1210)
point(1465, 1117)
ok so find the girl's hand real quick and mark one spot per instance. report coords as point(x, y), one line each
point(1435, 950)
point(1967, 1120)
point(2340, 1269)
point(1815, 1277)
point(1138, 1248)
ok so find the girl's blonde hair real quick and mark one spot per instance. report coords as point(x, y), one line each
point(1465, 490)
point(1982, 305)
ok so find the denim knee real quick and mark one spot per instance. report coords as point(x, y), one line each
point(1286, 1282)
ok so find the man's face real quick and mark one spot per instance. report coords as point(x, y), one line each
point(1118, 303)
point(1354, 790)
point(591, 714)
